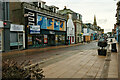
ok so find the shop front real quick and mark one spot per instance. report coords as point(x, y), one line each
point(46, 38)
point(51, 31)
point(1, 36)
point(53, 38)
point(17, 37)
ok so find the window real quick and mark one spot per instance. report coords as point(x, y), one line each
point(31, 14)
point(30, 23)
point(31, 19)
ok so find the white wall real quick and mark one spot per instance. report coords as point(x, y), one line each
point(70, 28)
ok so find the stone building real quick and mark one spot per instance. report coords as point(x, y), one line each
point(77, 21)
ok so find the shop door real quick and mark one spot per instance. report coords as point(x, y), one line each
point(70, 40)
point(20, 40)
point(51, 39)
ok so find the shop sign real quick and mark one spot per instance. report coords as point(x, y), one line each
point(1, 23)
point(51, 32)
point(15, 27)
point(45, 39)
point(34, 29)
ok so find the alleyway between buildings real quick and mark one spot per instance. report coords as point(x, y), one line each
point(79, 61)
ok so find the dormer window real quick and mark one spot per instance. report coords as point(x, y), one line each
point(42, 4)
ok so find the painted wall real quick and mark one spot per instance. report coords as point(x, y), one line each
point(50, 23)
point(56, 25)
point(42, 21)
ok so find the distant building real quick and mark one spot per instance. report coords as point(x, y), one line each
point(77, 20)
point(118, 21)
point(70, 25)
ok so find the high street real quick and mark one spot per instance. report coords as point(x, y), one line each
point(80, 61)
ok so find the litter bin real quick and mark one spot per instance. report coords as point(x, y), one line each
point(113, 47)
point(67, 42)
point(102, 51)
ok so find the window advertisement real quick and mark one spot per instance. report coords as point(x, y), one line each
point(29, 39)
point(56, 38)
point(56, 25)
point(34, 29)
point(45, 39)
point(50, 23)
point(62, 26)
point(42, 21)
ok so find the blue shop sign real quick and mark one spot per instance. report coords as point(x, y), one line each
point(34, 29)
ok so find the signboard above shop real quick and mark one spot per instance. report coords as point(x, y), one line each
point(34, 29)
point(17, 28)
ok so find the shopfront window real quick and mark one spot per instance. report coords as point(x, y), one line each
point(16, 40)
point(38, 40)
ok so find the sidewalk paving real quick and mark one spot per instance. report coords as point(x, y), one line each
point(86, 64)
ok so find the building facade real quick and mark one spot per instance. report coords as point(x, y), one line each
point(118, 21)
point(70, 25)
point(43, 25)
point(77, 19)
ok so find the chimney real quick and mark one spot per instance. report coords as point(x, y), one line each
point(65, 7)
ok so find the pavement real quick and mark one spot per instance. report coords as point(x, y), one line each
point(119, 63)
point(70, 61)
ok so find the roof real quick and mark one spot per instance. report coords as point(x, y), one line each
point(66, 11)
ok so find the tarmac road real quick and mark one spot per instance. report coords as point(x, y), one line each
point(52, 56)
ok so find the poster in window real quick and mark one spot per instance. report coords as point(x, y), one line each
point(29, 39)
point(56, 25)
point(62, 26)
point(42, 21)
point(45, 39)
point(50, 23)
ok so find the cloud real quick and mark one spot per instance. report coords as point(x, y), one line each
point(102, 21)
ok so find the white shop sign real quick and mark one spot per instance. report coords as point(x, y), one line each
point(15, 27)
point(34, 29)
point(1, 23)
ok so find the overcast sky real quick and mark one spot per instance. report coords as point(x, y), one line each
point(104, 10)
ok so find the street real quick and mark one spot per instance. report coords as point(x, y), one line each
point(80, 61)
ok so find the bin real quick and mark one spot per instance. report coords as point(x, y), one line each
point(102, 52)
point(67, 42)
point(113, 47)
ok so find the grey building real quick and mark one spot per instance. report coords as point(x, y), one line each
point(4, 26)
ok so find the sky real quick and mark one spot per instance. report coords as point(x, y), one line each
point(105, 10)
